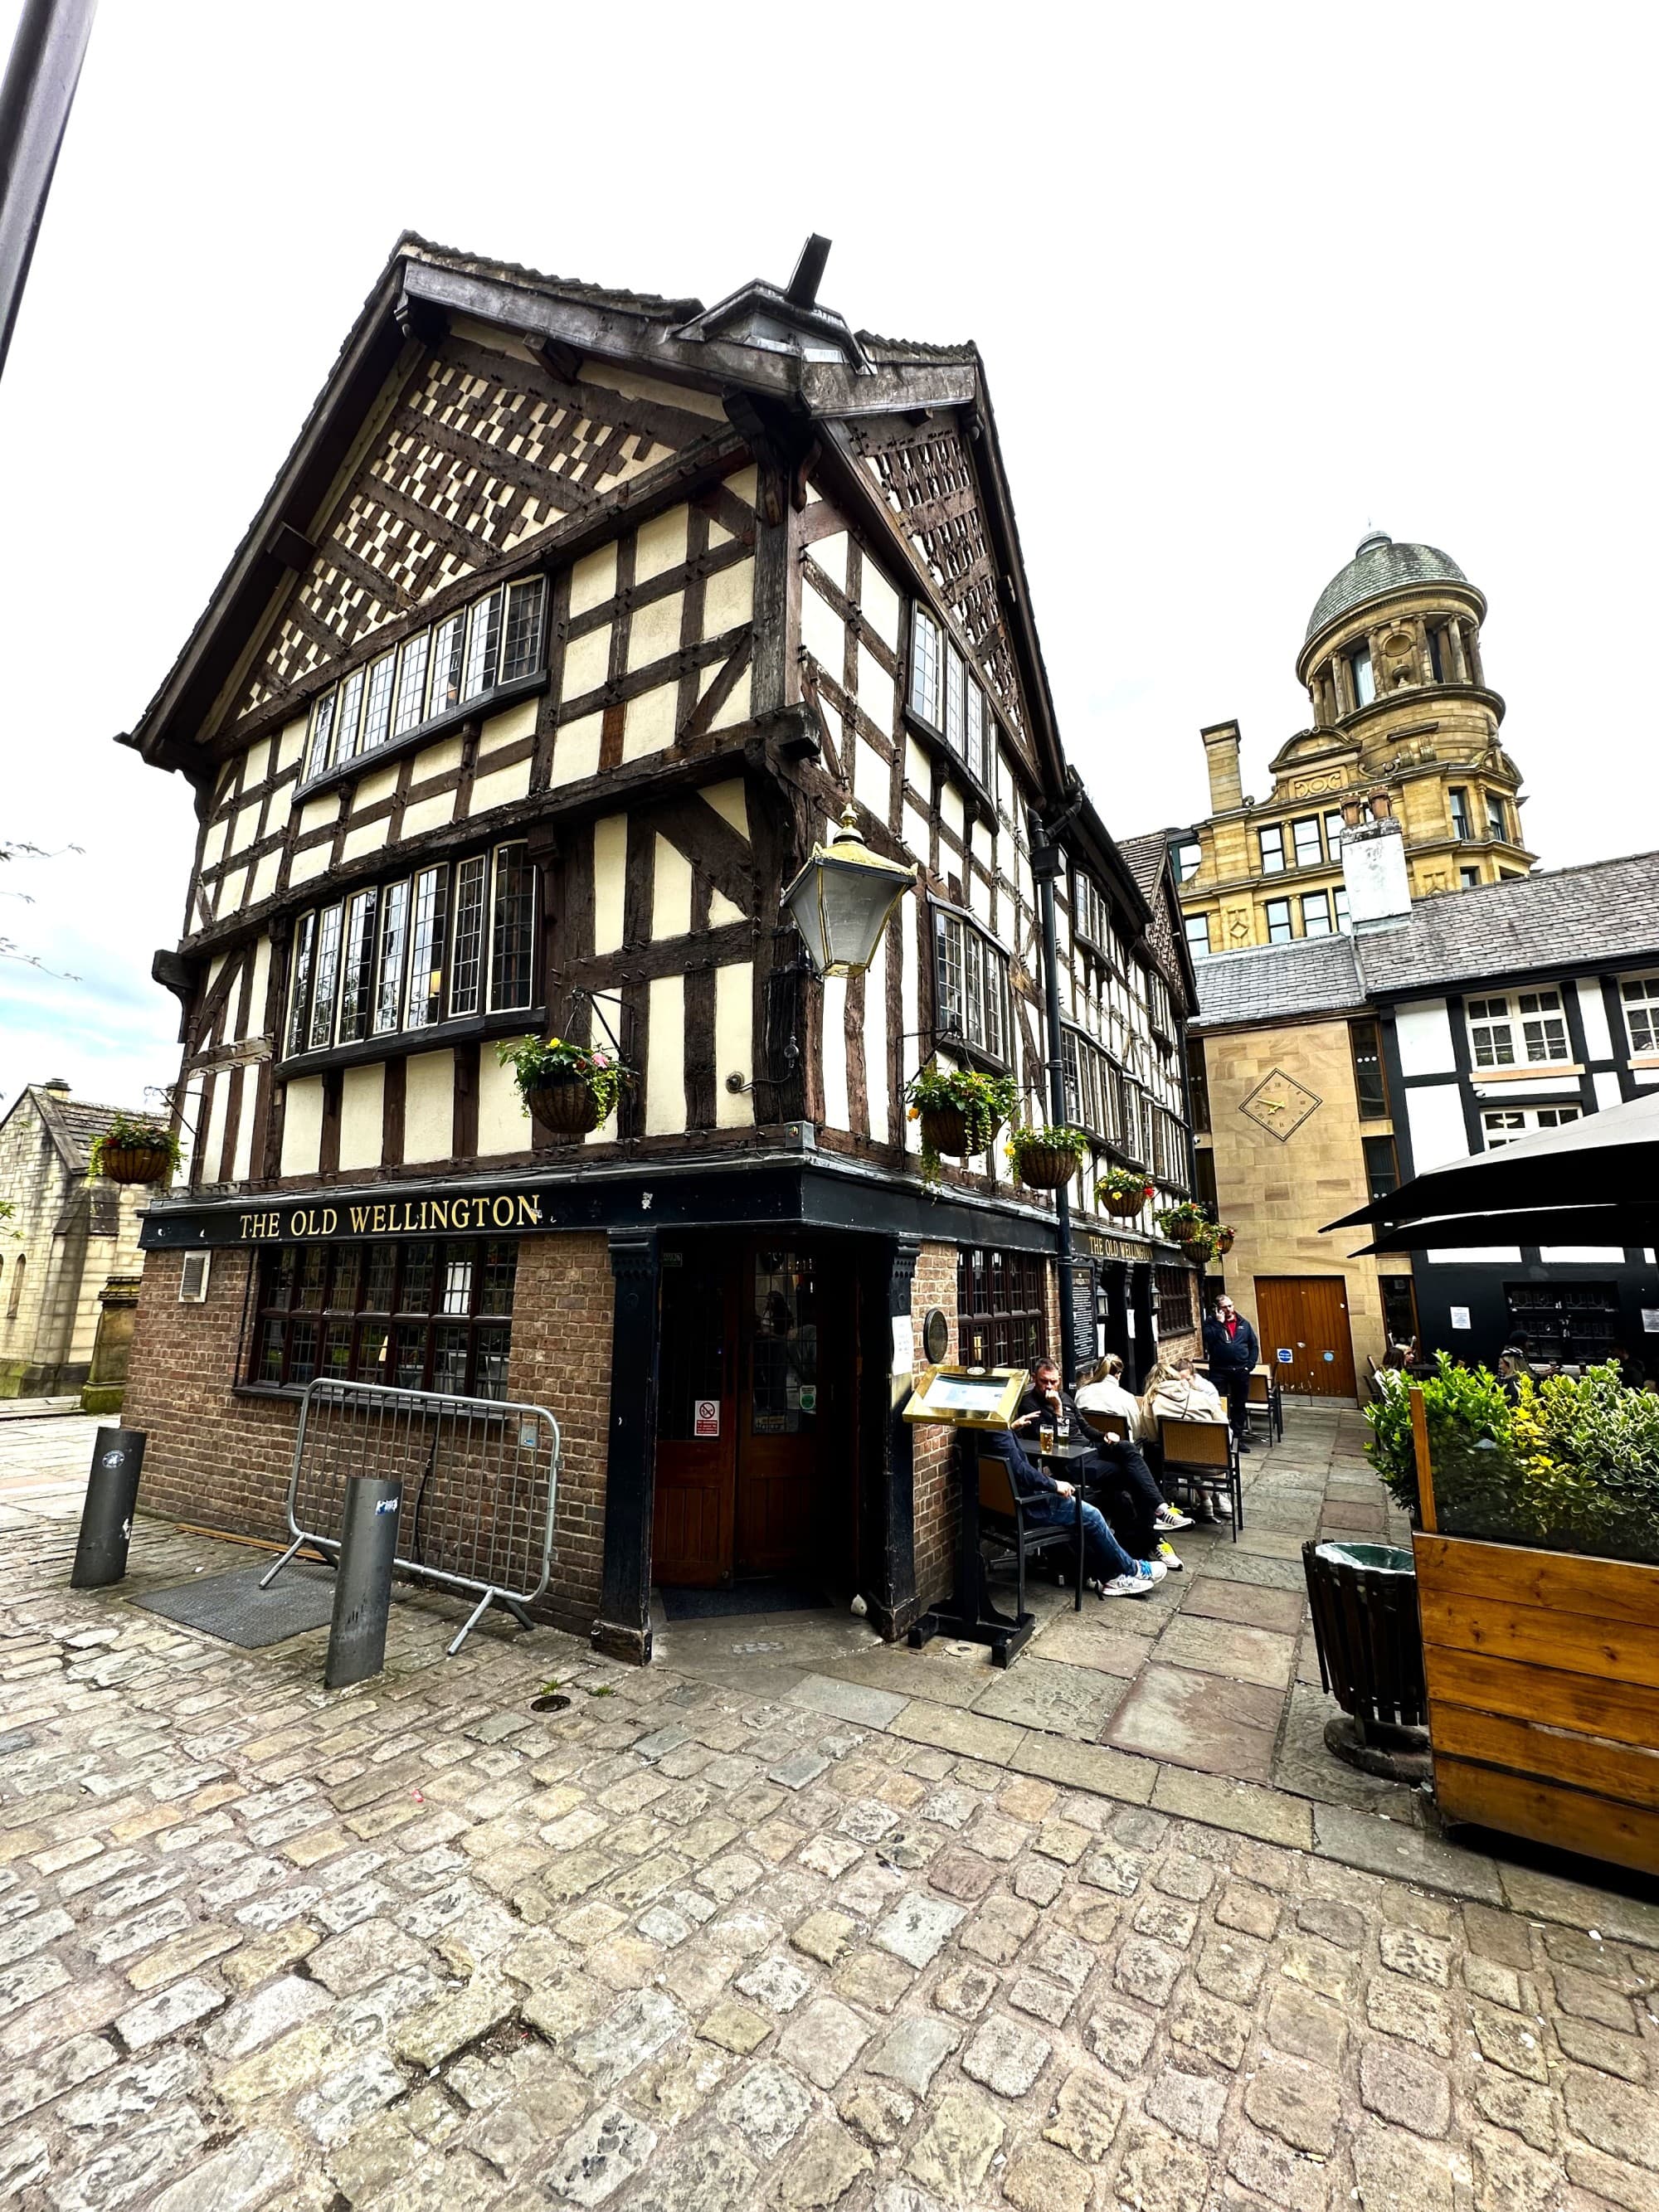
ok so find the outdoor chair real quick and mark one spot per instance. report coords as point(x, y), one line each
point(1267, 1399)
point(1112, 1426)
point(1003, 1524)
point(1203, 1455)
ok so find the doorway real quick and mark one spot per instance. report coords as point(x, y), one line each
point(755, 1450)
point(1306, 1316)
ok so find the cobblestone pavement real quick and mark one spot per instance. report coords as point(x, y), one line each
point(682, 1946)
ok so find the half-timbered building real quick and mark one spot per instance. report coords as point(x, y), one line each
point(574, 619)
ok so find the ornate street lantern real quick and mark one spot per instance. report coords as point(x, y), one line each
point(842, 899)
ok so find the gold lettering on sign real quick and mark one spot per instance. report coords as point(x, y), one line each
point(403, 1217)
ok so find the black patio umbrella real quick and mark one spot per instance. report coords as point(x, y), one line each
point(1595, 1181)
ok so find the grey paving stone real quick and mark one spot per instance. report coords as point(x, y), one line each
point(1006, 2057)
point(917, 1927)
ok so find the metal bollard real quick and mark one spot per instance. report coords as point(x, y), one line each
point(362, 1584)
point(100, 1551)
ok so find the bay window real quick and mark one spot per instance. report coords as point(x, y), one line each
point(971, 981)
point(406, 956)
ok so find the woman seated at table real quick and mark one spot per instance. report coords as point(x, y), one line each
point(1176, 1392)
point(1131, 1500)
point(1103, 1392)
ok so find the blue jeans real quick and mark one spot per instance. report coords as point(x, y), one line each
point(1104, 1556)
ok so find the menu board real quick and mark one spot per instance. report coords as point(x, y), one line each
point(964, 1396)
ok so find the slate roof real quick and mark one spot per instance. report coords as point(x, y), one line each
point(1311, 975)
point(1555, 918)
point(1145, 858)
point(1379, 566)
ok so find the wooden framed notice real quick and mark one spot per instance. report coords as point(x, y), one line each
point(968, 1397)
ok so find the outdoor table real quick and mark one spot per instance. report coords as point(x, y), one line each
point(968, 1612)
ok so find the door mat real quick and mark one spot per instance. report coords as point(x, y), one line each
point(235, 1609)
point(745, 1597)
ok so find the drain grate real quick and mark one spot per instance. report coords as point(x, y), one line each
point(235, 1609)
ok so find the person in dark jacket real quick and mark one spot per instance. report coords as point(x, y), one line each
point(1116, 1469)
point(1230, 1348)
point(1109, 1569)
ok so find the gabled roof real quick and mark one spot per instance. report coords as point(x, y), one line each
point(1553, 919)
point(671, 340)
point(71, 1123)
point(1283, 982)
point(1146, 858)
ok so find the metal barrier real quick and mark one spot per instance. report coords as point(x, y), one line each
point(480, 1482)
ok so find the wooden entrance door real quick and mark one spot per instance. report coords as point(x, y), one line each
point(754, 1392)
point(696, 1419)
point(1307, 1317)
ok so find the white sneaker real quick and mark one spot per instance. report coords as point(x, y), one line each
point(1154, 1570)
point(1169, 1518)
point(1127, 1586)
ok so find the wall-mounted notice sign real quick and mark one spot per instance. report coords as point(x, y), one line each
point(706, 1418)
point(1460, 1317)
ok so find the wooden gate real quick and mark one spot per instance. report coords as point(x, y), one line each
point(1307, 1317)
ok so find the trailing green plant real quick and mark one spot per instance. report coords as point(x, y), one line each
point(132, 1132)
point(984, 1102)
point(1571, 1465)
point(1186, 1223)
point(1050, 1137)
point(536, 1062)
point(1121, 1184)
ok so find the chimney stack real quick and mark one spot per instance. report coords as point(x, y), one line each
point(1374, 870)
point(1221, 751)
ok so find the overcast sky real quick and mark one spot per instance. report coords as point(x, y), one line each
point(1246, 281)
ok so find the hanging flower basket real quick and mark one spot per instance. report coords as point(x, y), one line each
point(133, 1151)
point(1223, 1240)
point(945, 1129)
point(568, 1088)
point(1197, 1251)
point(1047, 1159)
point(960, 1112)
point(1122, 1192)
point(1187, 1225)
point(566, 1105)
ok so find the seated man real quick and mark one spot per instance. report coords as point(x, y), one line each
point(1107, 1568)
point(1135, 1504)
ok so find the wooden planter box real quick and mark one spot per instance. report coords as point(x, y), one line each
point(1543, 1680)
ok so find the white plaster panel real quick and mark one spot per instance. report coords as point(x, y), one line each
point(501, 788)
point(304, 866)
point(655, 632)
point(586, 662)
point(736, 708)
point(918, 768)
point(423, 814)
point(292, 743)
point(872, 779)
point(233, 893)
point(245, 827)
point(743, 484)
point(318, 813)
point(979, 898)
point(876, 697)
point(909, 999)
point(576, 750)
point(1422, 1029)
point(594, 579)
point(730, 801)
point(213, 844)
point(436, 760)
point(728, 599)
point(830, 555)
point(607, 1023)
point(722, 910)
point(503, 1123)
point(950, 809)
point(368, 837)
point(1434, 1115)
point(430, 1106)
point(609, 881)
point(372, 789)
point(670, 891)
point(1606, 1090)
point(302, 1126)
point(266, 869)
point(214, 1147)
point(278, 806)
point(660, 543)
point(665, 1058)
point(362, 1106)
point(649, 722)
point(734, 1031)
point(875, 1042)
point(241, 1166)
point(1593, 1012)
point(917, 832)
point(506, 729)
point(835, 1052)
point(255, 1025)
point(823, 632)
point(879, 604)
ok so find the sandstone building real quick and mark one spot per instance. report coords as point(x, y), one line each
point(573, 621)
point(1392, 666)
point(69, 1260)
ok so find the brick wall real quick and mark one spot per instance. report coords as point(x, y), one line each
point(936, 1514)
point(222, 1459)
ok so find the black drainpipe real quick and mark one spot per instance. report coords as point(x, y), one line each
point(1046, 863)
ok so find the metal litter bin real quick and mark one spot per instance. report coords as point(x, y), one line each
point(1363, 1599)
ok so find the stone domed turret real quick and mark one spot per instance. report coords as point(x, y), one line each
point(1379, 566)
